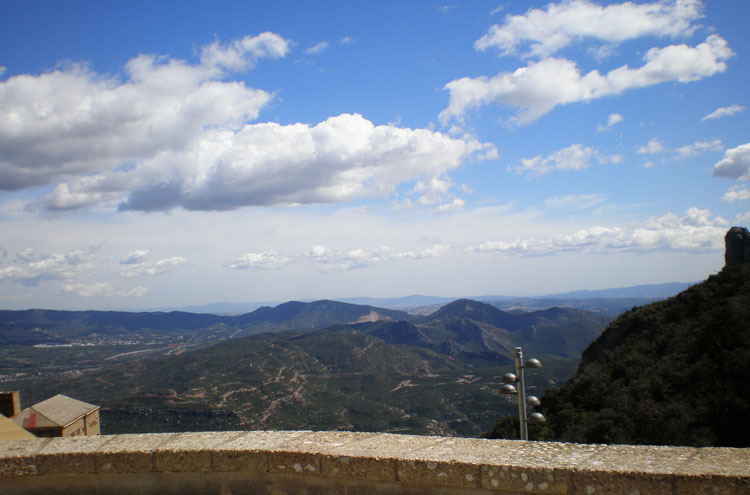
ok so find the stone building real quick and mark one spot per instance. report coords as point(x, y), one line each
point(60, 416)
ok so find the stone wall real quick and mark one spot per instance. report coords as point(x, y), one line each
point(311, 463)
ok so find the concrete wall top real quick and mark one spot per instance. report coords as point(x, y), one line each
point(400, 461)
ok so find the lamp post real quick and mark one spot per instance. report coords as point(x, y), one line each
point(523, 401)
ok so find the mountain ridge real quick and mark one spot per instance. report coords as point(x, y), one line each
point(418, 376)
point(674, 372)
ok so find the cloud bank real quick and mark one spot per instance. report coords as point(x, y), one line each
point(543, 32)
point(72, 122)
point(328, 259)
point(696, 231)
point(538, 88)
point(178, 135)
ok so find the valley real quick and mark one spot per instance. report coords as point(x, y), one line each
point(322, 365)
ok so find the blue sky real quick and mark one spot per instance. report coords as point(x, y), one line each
point(157, 154)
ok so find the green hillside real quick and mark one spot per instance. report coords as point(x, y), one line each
point(675, 372)
point(437, 375)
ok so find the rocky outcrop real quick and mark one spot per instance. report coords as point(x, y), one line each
point(737, 243)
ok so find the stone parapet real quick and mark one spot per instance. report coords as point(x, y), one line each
point(303, 462)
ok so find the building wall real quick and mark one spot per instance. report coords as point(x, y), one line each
point(92, 423)
point(75, 429)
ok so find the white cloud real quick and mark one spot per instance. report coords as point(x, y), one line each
point(697, 231)
point(544, 32)
point(347, 40)
point(539, 87)
point(456, 205)
point(736, 194)
point(724, 112)
point(735, 164)
point(176, 135)
point(699, 147)
point(433, 190)
point(30, 267)
point(574, 157)
point(157, 268)
point(602, 52)
point(333, 260)
point(243, 54)
point(653, 147)
point(406, 204)
point(72, 122)
point(317, 49)
point(103, 289)
point(445, 9)
point(742, 219)
point(328, 259)
point(343, 158)
point(266, 260)
point(134, 257)
point(575, 202)
point(612, 120)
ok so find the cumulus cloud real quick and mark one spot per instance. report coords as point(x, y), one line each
point(736, 194)
point(134, 257)
point(343, 158)
point(157, 268)
point(724, 112)
point(266, 260)
point(539, 87)
point(177, 135)
point(735, 164)
point(699, 147)
point(455, 205)
point(317, 49)
point(612, 120)
point(542, 32)
point(332, 260)
point(30, 267)
point(433, 190)
point(103, 289)
point(243, 54)
point(73, 122)
point(696, 231)
point(653, 147)
point(574, 157)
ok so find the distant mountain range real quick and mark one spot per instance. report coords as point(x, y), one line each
point(580, 299)
point(316, 365)
point(44, 326)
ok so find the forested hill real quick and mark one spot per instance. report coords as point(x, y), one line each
point(675, 372)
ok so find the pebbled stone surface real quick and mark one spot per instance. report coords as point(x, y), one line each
point(370, 463)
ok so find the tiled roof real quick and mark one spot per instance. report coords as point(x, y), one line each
point(60, 410)
point(28, 418)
